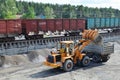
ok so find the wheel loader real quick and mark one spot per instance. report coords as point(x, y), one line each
point(68, 53)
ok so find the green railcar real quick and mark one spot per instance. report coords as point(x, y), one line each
point(102, 23)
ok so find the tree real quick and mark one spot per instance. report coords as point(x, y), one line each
point(73, 13)
point(20, 7)
point(80, 11)
point(8, 9)
point(86, 12)
point(57, 10)
point(111, 14)
point(60, 11)
point(49, 14)
point(66, 11)
point(97, 12)
point(30, 14)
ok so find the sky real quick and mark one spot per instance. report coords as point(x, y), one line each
point(90, 3)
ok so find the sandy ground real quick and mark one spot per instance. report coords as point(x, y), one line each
point(37, 71)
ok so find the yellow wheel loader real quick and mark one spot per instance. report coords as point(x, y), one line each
point(68, 54)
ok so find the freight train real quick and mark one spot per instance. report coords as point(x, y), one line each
point(35, 28)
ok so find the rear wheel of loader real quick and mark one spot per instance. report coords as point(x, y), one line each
point(68, 65)
point(85, 61)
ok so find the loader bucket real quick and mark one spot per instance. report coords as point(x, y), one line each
point(92, 35)
point(97, 45)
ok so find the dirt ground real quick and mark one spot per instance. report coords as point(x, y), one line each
point(37, 71)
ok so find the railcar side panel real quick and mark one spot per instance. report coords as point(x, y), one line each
point(50, 25)
point(81, 24)
point(42, 25)
point(13, 27)
point(3, 29)
point(97, 22)
point(58, 25)
point(66, 24)
point(116, 22)
point(73, 23)
point(90, 23)
point(31, 27)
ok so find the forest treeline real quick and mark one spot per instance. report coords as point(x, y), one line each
point(10, 8)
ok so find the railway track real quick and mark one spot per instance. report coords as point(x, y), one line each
point(18, 47)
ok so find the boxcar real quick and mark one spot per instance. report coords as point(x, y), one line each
point(81, 24)
point(103, 23)
point(13, 27)
point(29, 27)
point(10, 28)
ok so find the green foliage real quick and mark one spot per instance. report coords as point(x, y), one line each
point(20, 7)
point(49, 14)
point(8, 9)
point(30, 14)
point(66, 11)
point(73, 12)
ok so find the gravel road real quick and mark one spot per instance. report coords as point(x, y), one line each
point(37, 71)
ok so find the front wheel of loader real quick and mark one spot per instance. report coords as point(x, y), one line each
point(68, 65)
point(85, 61)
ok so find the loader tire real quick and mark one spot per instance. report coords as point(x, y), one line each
point(68, 65)
point(85, 61)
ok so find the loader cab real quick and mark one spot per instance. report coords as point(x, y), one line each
point(66, 47)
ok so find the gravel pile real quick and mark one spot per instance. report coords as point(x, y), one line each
point(37, 56)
